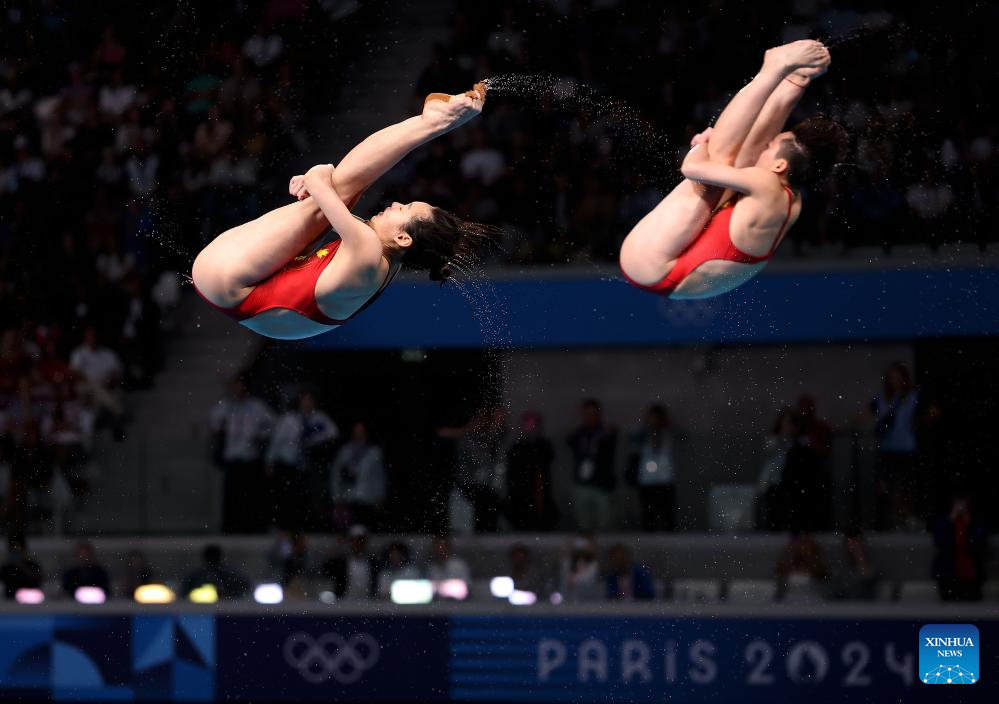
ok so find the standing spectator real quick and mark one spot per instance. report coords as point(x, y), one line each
point(626, 579)
point(87, 572)
point(894, 412)
point(937, 463)
point(652, 467)
point(137, 573)
point(579, 572)
point(593, 445)
point(354, 572)
point(806, 485)
point(395, 565)
point(101, 372)
point(298, 431)
point(962, 546)
point(444, 564)
point(815, 434)
point(481, 464)
point(357, 480)
point(241, 425)
point(228, 584)
point(771, 503)
point(530, 505)
point(20, 570)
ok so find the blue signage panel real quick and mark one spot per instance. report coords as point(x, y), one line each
point(511, 659)
point(107, 658)
point(606, 311)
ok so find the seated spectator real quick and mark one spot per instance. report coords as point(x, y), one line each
point(579, 572)
point(87, 572)
point(801, 569)
point(289, 558)
point(101, 372)
point(526, 576)
point(445, 565)
point(20, 570)
point(138, 573)
point(357, 480)
point(228, 584)
point(395, 565)
point(853, 580)
point(961, 541)
point(353, 572)
point(626, 579)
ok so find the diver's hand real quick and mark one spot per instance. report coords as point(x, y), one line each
point(296, 187)
point(701, 137)
point(318, 176)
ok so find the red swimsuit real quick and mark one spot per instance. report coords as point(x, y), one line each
point(713, 244)
point(294, 288)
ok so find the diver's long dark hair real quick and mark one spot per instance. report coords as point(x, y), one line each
point(819, 143)
point(444, 242)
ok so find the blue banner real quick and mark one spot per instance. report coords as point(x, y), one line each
point(605, 311)
point(501, 658)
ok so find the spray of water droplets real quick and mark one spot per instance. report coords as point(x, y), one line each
point(636, 140)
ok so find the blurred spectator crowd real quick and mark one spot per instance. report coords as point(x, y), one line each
point(349, 569)
point(295, 470)
point(127, 138)
point(568, 170)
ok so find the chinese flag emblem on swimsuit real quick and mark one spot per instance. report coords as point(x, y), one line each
point(322, 253)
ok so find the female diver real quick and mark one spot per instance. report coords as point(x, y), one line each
point(685, 247)
point(265, 275)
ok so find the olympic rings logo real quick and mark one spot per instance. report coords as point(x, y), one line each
point(330, 656)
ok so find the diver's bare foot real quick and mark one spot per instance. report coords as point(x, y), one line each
point(788, 58)
point(478, 92)
point(803, 77)
point(446, 112)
